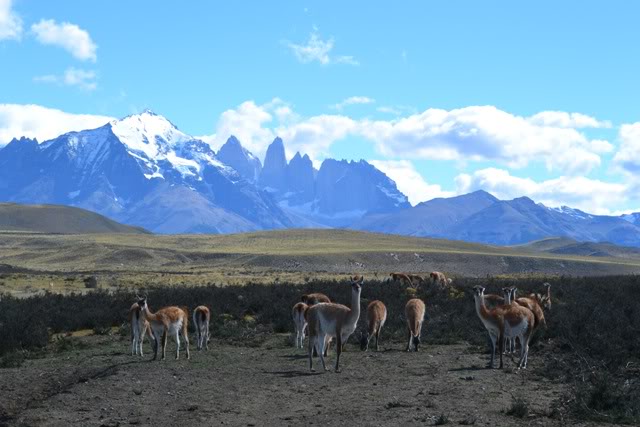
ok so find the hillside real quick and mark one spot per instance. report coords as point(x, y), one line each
point(565, 246)
point(56, 219)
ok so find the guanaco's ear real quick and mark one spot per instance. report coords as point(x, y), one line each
point(361, 280)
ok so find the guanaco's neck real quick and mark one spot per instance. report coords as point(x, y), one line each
point(354, 314)
point(147, 314)
point(481, 308)
point(507, 297)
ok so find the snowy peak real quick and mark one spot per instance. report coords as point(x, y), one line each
point(575, 213)
point(633, 218)
point(148, 133)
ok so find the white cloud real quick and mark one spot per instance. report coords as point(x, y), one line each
point(628, 156)
point(353, 100)
point(257, 125)
point(34, 121)
point(567, 120)
point(409, 181)
point(315, 135)
point(463, 135)
point(589, 195)
point(396, 110)
point(68, 36)
point(319, 50)
point(248, 122)
point(84, 79)
point(347, 59)
point(10, 23)
point(601, 146)
point(481, 133)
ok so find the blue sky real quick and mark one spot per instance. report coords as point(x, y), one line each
point(445, 97)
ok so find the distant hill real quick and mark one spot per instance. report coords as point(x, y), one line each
point(565, 246)
point(58, 219)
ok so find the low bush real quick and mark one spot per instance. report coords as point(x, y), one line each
point(519, 407)
point(592, 327)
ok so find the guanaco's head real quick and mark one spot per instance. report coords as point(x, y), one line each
point(142, 301)
point(506, 293)
point(478, 291)
point(356, 282)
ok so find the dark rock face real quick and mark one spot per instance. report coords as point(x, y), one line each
point(233, 154)
point(274, 172)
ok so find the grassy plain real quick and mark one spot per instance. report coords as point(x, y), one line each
point(59, 263)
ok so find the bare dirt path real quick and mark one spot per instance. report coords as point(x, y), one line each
point(101, 385)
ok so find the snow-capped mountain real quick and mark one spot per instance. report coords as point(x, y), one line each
point(633, 218)
point(140, 170)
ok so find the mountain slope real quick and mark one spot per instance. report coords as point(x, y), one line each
point(58, 219)
point(428, 218)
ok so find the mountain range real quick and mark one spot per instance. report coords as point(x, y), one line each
point(480, 217)
point(143, 171)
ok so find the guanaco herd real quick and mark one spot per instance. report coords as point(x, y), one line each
point(507, 319)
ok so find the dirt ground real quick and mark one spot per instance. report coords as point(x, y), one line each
point(97, 383)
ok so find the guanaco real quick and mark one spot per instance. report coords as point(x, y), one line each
point(139, 328)
point(168, 320)
point(376, 316)
point(414, 313)
point(201, 319)
point(333, 320)
point(315, 298)
point(300, 322)
point(507, 321)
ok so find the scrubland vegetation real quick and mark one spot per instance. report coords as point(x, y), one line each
point(591, 342)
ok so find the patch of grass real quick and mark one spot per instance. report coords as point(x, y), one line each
point(441, 420)
point(519, 407)
point(14, 359)
point(63, 343)
point(605, 398)
point(468, 421)
point(102, 330)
